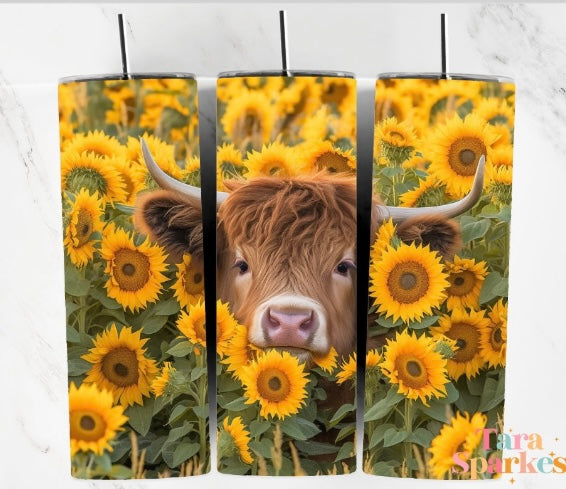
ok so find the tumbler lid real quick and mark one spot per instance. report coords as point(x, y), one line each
point(286, 73)
point(444, 76)
point(130, 76)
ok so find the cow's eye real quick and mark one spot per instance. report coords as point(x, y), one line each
point(343, 267)
point(242, 266)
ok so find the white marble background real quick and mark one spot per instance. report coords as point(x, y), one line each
point(40, 43)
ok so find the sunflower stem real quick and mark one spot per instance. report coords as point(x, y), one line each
point(407, 445)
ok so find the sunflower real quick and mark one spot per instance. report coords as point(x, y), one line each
point(394, 140)
point(191, 173)
point(339, 92)
point(445, 100)
point(343, 127)
point(455, 150)
point(322, 155)
point(315, 128)
point(390, 103)
point(414, 365)
point(274, 159)
point(466, 278)
point(132, 177)
point(408, 282)
point(326, 362)
point(239, 437)
point(494, 337)
point(95, 142)
point(189, 287)
point(383, 238)
point(373, 358)
point(248, 119)
point(66, 132)
point(67, 101)
point(416, 161)
point(298, 100)
point(461, 435)
point(120, 365)
point(124, 104)
point(161, 381)
point(94, 422)
point(496, 111)
point(502, 156)
point(84, 220)
point(229, 164)
point(428, 193)
point(225, 326)
point(193, 323)
point(135, 272)
point(348, 370)
point(90, 171)
point(500, 179)
point(239, 351)
point(277, 381)
point(503, 134)
point(466, 328)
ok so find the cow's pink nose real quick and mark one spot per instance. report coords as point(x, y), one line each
point(293, 328)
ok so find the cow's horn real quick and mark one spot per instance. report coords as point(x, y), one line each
point(170, 183)
point(399, 214)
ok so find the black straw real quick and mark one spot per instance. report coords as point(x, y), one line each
point(443, 47)
point(123, 47)
point(283, 30)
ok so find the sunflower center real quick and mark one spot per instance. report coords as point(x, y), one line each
point(408, 282)
point(467, 339)
point(332, 162)
point(131, 269)
point(397, 137)
point(251, 123)
point(273, 385)
point(86, 425)
point(89, 178)
point(84, 227)
point(193, 279)
point(461, 283)
point(464, 155)
point(335, 93)
point(411, 371)
point(496, 339)
point(120, 366)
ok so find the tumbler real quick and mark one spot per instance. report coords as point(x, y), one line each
point(286, 272)
point(132, 230)
point(438, 278)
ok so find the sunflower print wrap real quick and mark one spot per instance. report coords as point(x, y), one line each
point(437, 320)
point(135, 322)
point(274, 417)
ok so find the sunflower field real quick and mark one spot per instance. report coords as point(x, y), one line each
point(136, 345)
point(435, 367)
point(273, 412)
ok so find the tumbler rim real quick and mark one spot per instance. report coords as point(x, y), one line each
point(444, 76)
point(286, 73)
point(129, 76)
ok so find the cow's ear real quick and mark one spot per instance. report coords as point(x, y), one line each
point(172, 220)
point(441, 234)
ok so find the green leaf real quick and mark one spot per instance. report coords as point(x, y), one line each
point(75, 284)
point(238, 404)
point(311, 447)
point(201, 411)
point(492, 212)
point(425, 322)
point(378, 434)
point(181, 349)
point(384, 469)
point(107, 302)
point(475, 230)
point(391, 171)
point(493, 286)
point(197, 373)
point(345, 432)
point(299, 428)
point(104, 463)
point(140, 416)
point(125, 209)
point(493, 393)
point(153, 451)
point(180, 431)
point(154, 324)
point(388, 322)
point(345, 451)
point(342, 411)
point(392, 437)
point(166, 308)
point(436, 410)
point(177, 413)
point(421, 437)
point(73, 335)
point(384, 406)
point(262, 447)
point(77, 366)
point(71, 307)
point(259, 427)
point(120, 472)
